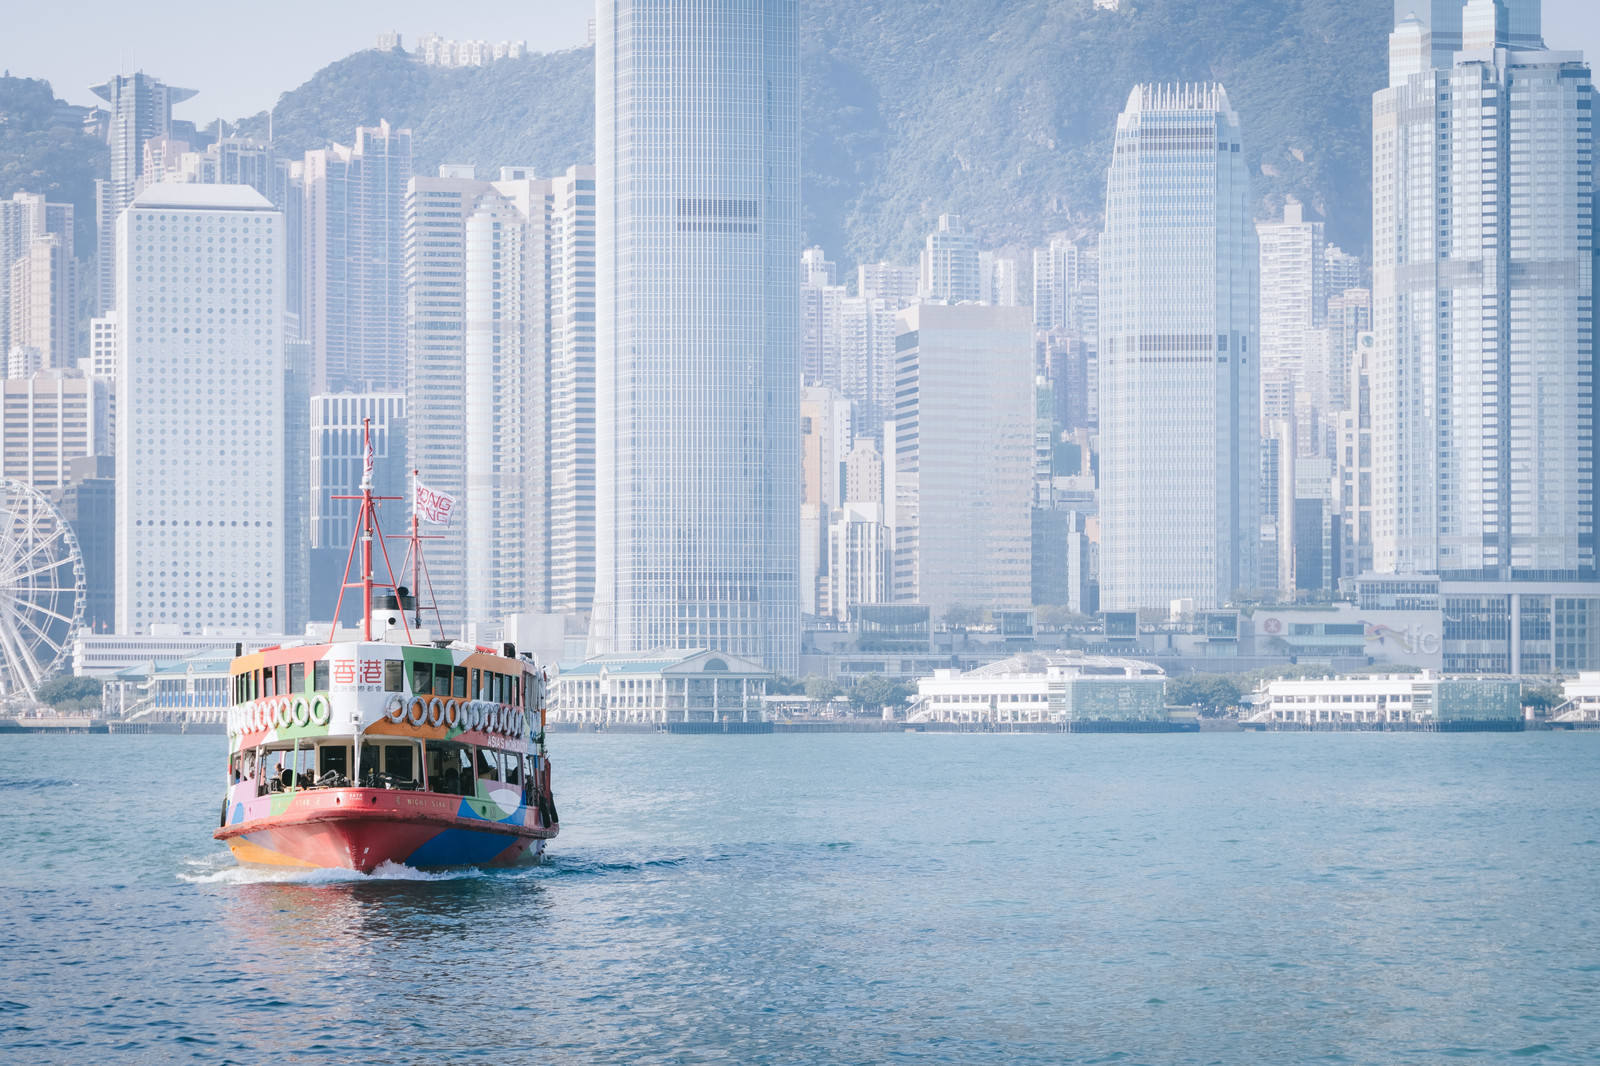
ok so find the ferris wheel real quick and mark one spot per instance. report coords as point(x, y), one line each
point(41, 588)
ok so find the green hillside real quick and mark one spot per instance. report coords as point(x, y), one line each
point(999, 110)
point(43, 149)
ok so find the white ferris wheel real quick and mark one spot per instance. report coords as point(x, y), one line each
point(41, 589)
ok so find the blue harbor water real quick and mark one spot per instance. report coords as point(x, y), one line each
point(1220, 898)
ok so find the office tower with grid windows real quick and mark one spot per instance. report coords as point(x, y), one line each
point(964, 457)
point(201, 383)
point(1178, 386)
point(697, 347)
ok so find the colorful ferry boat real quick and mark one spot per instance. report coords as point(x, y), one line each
point(383, 745)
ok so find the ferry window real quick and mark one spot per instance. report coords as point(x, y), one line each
point(305, 766)
point(397, 762)
point(513, 769)
point(255, 684)
point(266, 682)
point(493, 695)
point(459, 687)
point(516, 691)
point(319, 675)
point(394, 675)
point(271, 772)
point(369, 764)
point(421, 679)
point(488, 765)
point(441, 679)
point(297, 678)
point(445, 762)
point(464, 764)
point(333, 759)
point(280, 680)
point(477, 684)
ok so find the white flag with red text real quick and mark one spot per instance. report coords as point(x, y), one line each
point(432, 506)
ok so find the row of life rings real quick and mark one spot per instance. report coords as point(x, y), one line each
point(454, 713)
point(285, 712)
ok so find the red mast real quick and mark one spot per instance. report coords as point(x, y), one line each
point(365, 532)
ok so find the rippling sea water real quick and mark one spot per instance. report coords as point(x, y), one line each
point(1220, 898)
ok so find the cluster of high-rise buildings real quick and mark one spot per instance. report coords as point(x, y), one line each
point(659, 413)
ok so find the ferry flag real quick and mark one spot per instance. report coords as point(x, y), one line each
point(433, 506)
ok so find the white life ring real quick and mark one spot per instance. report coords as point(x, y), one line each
point(436, 711)
point(418, 712)
point(321, 713)
point(395, 709)
point(300, 711)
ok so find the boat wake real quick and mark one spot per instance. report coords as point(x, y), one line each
point(224, 871)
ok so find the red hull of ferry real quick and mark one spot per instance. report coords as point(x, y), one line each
point(361, 829)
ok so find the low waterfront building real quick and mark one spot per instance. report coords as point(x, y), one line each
point(1419, 701)
point(658, 687)
point(1060, 687)
point(104, 654)
point(1580, 700)
point(194, 689)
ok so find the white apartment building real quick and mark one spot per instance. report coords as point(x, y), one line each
point(49, 420)
point(200, 400)
point(103, 345)
point(1483, 236)
point(894, 285)
point(1293, 299)
point(950, 264)
point(1055, 284)
point(1178, 359)
point(354, 303)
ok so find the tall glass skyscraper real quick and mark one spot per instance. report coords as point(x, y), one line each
point(697, 374)
point(1482, 378)
point(1179, 385)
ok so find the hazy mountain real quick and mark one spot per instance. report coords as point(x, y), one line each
point(1000, 110)
point(43, 149)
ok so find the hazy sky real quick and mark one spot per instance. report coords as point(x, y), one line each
point(243, 59)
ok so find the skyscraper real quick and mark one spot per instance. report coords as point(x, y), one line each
point(500, 291)
point(1482, 372)
point(1178, 386)
point(964, 457)
point(436, 336)
point(572, 397)
point(353, 307)
point(140, 110)
point(200, 411)
point(697, 376)
point(1293, 297)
